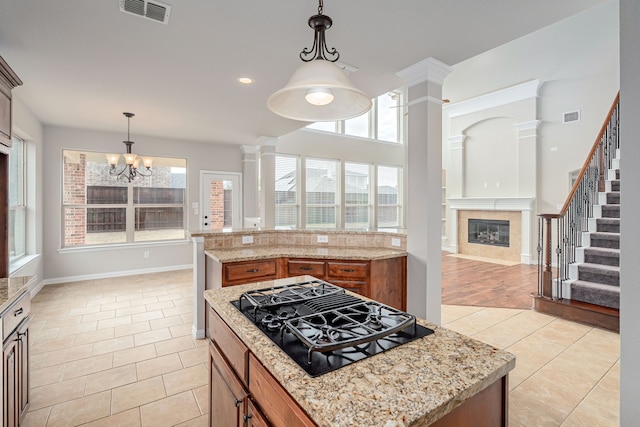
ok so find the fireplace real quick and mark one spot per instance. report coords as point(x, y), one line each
point(488, 232)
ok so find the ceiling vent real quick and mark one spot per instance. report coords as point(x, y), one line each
point(571, 116)
point(152, 10)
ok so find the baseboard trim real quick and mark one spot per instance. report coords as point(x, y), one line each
point(69, 279)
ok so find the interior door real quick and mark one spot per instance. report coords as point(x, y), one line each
point(221, 200)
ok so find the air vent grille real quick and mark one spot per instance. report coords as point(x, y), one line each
point(152, 10)
point(571, 116)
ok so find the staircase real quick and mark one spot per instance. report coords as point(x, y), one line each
point(595, 276)
point(579, 247)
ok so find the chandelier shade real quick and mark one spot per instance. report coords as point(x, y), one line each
point(130, 169)
point(320, 78)
point(319, 90)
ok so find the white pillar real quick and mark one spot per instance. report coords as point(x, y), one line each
point(268, 182)
point(629, 208)
point(250, 180)
point(527, 158)
point(197, 330)
point(424, 189)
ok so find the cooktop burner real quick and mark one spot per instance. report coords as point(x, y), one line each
point(323, 328)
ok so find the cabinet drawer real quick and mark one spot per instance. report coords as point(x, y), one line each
point(300, 268)
point(13, 315)
point(357, 287)
point(348, 270)
point(235, 352)
point(246, 272)
point(276, 404)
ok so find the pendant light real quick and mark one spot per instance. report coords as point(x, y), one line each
point(131, 168)
point(319, 90)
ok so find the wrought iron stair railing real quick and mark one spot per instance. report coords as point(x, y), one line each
point(564, 229)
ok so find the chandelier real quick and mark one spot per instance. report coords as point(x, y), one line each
point(319, 90)
point(131, 167)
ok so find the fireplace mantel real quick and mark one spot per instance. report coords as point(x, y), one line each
point(525, 205)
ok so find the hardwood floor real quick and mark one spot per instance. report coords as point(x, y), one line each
point(478, 283)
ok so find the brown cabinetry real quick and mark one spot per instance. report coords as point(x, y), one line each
point(384, 280)
point(15, 367)
point(241, 391)
point(237, 273)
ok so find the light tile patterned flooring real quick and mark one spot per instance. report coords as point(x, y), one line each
point(119, 352)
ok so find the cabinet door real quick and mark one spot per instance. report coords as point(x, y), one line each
point(276, 404)
point(23, 368)
point(227, 397)
point(10, 383)
point(254, 417)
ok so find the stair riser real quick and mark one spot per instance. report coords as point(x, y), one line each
point(605, 279)
point(611, 211)
point(603, 298)
point(597, 242)
point(615, 185)
point(613, 198)
point(608, 228)
point(602, 260)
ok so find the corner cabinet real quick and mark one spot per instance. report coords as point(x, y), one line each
point(241, 391)
point(384, 280)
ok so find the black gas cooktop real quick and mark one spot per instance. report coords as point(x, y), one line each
point(323, 328)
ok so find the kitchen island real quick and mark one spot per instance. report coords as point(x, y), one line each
point(441, 379)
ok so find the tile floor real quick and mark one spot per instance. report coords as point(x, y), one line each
point(119, 352)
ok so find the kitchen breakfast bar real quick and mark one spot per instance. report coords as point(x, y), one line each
point(442, 379)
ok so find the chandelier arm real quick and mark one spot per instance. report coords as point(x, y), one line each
point(333, 52)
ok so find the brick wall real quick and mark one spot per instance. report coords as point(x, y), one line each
point(75, 193)
point(217, 205)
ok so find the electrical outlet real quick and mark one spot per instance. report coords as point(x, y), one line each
point(247, 239)
point(146, 254)
point(323, 239)
point(395, 242)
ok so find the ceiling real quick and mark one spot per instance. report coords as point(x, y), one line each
point(83, 62)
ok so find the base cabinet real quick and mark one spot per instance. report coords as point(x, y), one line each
point(384, 280)
point(241, 391)
point(15, 366)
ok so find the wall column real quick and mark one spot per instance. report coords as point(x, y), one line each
point(197, 329)
point(250, 180)
point(268, 182)
point(424, 187)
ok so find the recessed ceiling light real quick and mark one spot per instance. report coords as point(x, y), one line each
point(245, 80)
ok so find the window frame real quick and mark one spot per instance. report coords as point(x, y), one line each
point(131, 206)
point(337, 200)
point(370, 201)
point(400, 205)
point(297, 204)
point(21, 205)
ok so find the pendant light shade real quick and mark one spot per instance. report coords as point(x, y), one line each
point(311, 85)
point(319, 90)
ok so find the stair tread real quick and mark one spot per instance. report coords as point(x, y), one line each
point(602, 251)
point(606, 235)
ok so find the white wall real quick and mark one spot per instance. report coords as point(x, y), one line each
point(629, 208)
point(578, 62)
point(74, 264)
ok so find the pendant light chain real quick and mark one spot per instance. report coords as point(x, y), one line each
point(320, 7)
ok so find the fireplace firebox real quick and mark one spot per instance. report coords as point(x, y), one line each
point(489, 232)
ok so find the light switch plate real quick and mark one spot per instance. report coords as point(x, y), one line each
point(395, 242)
point(247, 239)
point(323, 239)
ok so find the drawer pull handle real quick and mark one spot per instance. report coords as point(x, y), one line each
point(253, 270)
point(306, 268)
point(18, 312)
point(348, 270)
point(247, 417)
point(237, 402)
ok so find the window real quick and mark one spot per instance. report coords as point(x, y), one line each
point(99, 209)
point(389, 197)
point(357, 197)
point(17, 202)
point(382, 123)
point(287, 203)
point(322, 193)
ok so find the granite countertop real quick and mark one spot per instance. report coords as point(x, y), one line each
point(332, 252)
point(11, 289)
point(413, 384)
